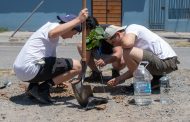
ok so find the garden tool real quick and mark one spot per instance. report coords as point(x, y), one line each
point(82, 92)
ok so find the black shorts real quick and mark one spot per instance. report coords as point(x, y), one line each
point(97, 55)
point(53, 67)
point(157, 66)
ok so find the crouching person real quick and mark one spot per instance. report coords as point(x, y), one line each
point(99, 52)
point(37, 62)
point(141, 44)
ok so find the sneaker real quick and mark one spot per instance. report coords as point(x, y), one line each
point(95, 76)
point(44, 90)
point(155, 84)
point(30, 86)
point(115, 73)
point(34, 92)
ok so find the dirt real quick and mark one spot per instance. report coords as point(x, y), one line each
point(16, 106)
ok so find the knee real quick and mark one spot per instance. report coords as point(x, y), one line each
point(134, 53)
point(119, 64)
point(127, 51)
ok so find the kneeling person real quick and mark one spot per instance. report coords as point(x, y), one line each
point(37, 62)
point(102, 54)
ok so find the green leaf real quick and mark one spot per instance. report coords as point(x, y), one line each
point(94, 37)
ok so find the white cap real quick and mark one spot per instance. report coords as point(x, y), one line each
point(111, 30)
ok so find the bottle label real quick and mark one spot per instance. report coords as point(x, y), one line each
point(142, 87)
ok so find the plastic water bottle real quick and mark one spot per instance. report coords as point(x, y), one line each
point(164, 89)
point(142, 84)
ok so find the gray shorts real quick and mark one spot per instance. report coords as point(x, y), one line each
point(157, 66)
point(51, 68)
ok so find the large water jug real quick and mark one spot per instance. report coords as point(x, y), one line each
point(142, 84)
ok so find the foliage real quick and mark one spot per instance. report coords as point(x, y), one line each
point(94, 38)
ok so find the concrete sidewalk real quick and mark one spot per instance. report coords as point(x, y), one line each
point(174, 36)
point(21, 37)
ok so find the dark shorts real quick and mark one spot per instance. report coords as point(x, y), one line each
point(157, 66)
point(52, 68)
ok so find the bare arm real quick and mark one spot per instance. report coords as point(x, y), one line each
point(117, 54)
point(127, 43)
point(63, 28)
point(128, 40)
point(115, 81)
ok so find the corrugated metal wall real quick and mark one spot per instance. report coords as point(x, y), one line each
point(157, 14)
point(179, 9)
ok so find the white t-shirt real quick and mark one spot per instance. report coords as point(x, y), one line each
point(37, 47)
point(150, 41)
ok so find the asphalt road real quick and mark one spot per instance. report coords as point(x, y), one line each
point(184, 57)
point(8, 54)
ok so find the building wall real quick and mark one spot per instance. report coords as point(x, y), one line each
point(133, 12)
point(137, 11)
point(177, 25)
point(12, 15)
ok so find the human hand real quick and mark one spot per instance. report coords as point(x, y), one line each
point(100, 63)
point(83, 15)
point(113, 82)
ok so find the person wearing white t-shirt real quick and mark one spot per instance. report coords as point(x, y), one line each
point(37, 62)
point(141, 44)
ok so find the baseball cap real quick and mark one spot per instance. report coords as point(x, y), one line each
point(111, 30)
point(67, 18)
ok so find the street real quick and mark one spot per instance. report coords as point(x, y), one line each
point(15, 104)
point(8, 54)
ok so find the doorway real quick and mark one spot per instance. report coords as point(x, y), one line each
point(157, 14)
point(107, 11)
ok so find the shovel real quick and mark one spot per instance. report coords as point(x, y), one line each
point(82, 92)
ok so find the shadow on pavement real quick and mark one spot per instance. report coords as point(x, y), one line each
point(117, 90)
point(24, 99)
point(104, 80)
